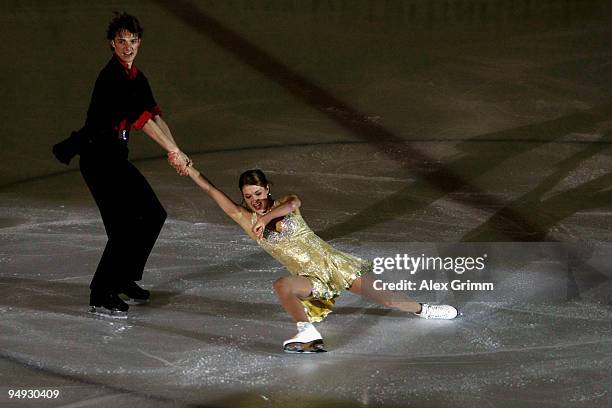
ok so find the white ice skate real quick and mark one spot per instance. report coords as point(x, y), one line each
point(307, 340)
point(437, 311)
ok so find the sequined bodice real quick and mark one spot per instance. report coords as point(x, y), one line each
point(304, 253)
point(289, 225)
point(294, 245)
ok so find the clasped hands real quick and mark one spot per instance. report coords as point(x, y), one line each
point(180, 161)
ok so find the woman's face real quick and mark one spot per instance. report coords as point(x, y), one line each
point(256, 198)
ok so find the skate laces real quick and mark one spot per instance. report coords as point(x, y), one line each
point(301, 326)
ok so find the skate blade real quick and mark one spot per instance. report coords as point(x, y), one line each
point(131, 301)
point(316, 346)
point(106, 313)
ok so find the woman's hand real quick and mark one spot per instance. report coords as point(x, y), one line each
point(259, 227)
point(180, 161)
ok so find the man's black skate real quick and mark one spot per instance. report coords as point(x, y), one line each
point(107, 304)
point(136, 294)
point(315, 346)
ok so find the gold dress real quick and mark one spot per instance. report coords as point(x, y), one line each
point(303, 253)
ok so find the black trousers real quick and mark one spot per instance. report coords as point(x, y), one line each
point(132, 216)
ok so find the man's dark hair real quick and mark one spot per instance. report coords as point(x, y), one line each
point(121, 22)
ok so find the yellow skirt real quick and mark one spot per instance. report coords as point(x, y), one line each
point(317, 309)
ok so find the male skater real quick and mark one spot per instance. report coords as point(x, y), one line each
point(133, 216)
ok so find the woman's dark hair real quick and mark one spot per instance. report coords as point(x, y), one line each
point(121, 22)
point(254, 177)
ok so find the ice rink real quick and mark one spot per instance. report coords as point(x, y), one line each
point(405, 125)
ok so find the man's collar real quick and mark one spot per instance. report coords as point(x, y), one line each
point(130, 72)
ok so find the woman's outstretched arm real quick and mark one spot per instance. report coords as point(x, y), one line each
point(236, 212)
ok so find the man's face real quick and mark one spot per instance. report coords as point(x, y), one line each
point(125, 46)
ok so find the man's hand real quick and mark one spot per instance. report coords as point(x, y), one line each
point(180, 161)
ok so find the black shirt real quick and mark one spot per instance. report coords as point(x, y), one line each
point(121, 99)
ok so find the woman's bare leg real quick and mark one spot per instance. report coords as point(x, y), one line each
point(395, 300)
point(290, 290)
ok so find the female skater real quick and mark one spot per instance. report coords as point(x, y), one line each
point(319, 272)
